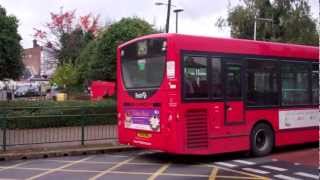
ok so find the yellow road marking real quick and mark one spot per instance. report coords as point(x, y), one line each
point(184, 175)
point(97, 162)
point(87, 162)
point(238, 177)
point(63, 170)
point(133, 173)
point(59, 168)
point(159, 171)
point(112, 168)
point(214, 173)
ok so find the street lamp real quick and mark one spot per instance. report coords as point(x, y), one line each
point(168, 12)
point(255, 25)
point(177, 12)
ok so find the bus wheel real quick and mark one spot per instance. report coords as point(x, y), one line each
point(262, 140)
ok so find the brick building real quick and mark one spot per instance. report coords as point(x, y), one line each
point(39, 61)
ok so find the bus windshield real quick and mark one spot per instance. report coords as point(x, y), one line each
point(143, 63)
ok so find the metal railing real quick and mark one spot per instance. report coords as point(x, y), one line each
point(33, 127)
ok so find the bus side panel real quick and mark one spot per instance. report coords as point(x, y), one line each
point(254, 116)
point(297, 136)
point(204, 130)
point(229, 144)
point(282, 137)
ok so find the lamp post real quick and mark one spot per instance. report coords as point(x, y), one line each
point(169, 5)
point(255, 25)
point(177, 12)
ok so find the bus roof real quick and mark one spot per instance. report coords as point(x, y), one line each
point(236, 46)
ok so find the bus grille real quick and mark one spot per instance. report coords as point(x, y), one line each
point(197, 128)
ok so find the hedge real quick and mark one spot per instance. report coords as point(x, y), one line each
point(46, 114)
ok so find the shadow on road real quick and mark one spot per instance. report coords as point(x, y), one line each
point(161, 157)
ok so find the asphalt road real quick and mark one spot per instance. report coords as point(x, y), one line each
point(288, 164)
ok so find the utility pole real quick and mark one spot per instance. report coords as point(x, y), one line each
point(168, 16)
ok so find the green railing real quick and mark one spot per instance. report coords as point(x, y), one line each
point(31, 126)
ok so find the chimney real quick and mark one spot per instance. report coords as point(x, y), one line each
point(35, 44)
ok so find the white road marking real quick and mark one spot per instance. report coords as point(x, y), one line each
point(255, 170)
point(307, 175)
point(14, 166)
point(280, 176)
point(226, 164)
point(274, 168)
point(274, 160)
point(245, 162)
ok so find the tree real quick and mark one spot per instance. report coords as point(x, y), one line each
point(66, 76)
point(67, 34)
point(99, 57)
point(71, 45)
point(291, 21)
point(11, 65)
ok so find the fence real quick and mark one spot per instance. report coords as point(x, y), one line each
point(25, 127)
point(3, 95)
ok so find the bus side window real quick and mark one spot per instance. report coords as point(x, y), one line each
point(216, 78)
point(195, 78)
point(315, 83)
point(262, 85)
point(233, 80)
point(295, 83)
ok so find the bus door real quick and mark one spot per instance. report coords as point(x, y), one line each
point(233, 103)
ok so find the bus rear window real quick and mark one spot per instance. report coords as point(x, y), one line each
point(143, 63)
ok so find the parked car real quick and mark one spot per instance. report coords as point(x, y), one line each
point(27, 91)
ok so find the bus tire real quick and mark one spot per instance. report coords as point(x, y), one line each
point(262, 140)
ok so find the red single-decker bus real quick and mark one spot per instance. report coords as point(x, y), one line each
point(200, 95)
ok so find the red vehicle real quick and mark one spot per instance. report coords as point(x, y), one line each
point(101, 89)
point(199, 95)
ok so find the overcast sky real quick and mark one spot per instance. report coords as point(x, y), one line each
point(198, 18)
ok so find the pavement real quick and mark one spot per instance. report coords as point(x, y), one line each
point(150, 165)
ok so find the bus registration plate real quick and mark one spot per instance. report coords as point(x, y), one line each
point(144, 135)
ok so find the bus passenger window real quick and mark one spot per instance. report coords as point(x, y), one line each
point(195, 77)
point(315, 83)
point(294, 80)
point(217, 85)
point(233, 80)
point(262, 86)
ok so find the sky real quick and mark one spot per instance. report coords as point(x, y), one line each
point(198, 18)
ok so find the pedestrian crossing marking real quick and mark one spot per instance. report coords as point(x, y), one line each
point(307, 175)
point(226, 164)
point(274, 168)
point(284, 177)
point(255, 170)
point(244, 162)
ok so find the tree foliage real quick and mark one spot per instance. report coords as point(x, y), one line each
point(291, 21)
point(67, 34)
point(66, 76)
point(71, 45)
point(98, 59)
point(11, 65)
point(95, 59)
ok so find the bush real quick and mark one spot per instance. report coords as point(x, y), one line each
point(66, 76)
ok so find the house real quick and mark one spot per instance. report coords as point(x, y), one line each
point(39, 62)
